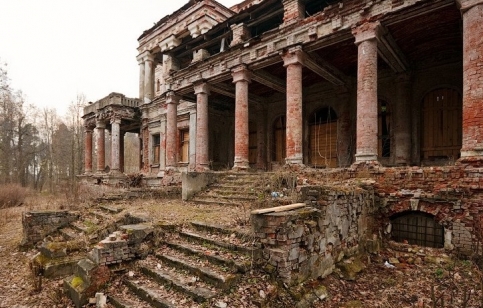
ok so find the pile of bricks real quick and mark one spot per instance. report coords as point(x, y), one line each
point(121, 245)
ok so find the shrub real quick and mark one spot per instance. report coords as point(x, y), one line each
point(12, 195)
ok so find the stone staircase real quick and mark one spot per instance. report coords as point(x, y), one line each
point(193, 267)
point(233, 189)
point(60, 251)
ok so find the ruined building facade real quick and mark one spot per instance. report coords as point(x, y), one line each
point(302, 82)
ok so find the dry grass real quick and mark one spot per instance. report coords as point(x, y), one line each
point(12, 195)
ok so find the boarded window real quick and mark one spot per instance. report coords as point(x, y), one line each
point(279, 139)
point(184, 145)
point(417, 228)
point(441, 131)
point(252, 143)
point(156, 143)
point(323, 138)
point(384, 130)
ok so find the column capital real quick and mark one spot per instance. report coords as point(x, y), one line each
point(366, 31)
point(202, 87)
point(465, 5)
point(115, 119)
point(172, 98)
point(241, 73)
point(294, 55)
point(100, 124)
point(145, 56)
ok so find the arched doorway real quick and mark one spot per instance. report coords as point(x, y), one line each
point(323, 138)
point(279, 140)
point(417, 228)
point(441, 129)
point(384, 130)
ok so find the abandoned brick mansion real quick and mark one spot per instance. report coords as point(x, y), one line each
point(315, 83)
point(320, 85)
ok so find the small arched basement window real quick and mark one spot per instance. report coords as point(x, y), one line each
point(417, 228)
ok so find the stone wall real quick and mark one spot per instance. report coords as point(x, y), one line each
point(452, 194)
point(306, 243)
point(39, 224)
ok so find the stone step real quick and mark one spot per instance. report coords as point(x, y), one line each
point(79, 226)
point(199, 294)
point(228, 197)
point(111, 209)
point(232, 190)
point(208, 273)
point(154, 296)
point(230, 193)
point(102, 216)
point(211, 255)
point(68, 233)
point(202, 226)
point(247, 249)
point(210, 201)
point(119, 302)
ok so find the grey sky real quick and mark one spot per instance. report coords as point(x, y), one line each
point(58, 48)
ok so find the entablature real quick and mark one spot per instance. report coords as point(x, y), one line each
point(195, 20)
point(328, 27)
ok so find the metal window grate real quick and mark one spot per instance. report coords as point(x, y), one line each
point(418, 229)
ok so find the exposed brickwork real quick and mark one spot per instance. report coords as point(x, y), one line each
point(241, 78)
point(294, 10)
point(101, 146)
point(366, 146)
point(240, 34)
point(171, 130)
point(306, 243)
point(472, 79)
point(88, 151)
point(37, 225)
point(293, 60)
point(202, 133)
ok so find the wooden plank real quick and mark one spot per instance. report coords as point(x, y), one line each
point(278, 209)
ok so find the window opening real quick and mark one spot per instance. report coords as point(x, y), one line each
point(156, 148)
point(417, 228)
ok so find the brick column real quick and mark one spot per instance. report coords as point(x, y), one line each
point(172, 101)
point(115, 145)
point(202, 133)
point(293, 60)
point(402, 121)
point(293, 10)
point(88, 150)
point(241, 79)
point(472, 11)
point(366, 144)
point(140, 59)
point(148, 77)
point(192, 149)
point(101, 146)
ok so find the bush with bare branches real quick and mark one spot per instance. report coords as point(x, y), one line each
point(12, 195)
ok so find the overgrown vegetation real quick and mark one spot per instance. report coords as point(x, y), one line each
point(12, 195)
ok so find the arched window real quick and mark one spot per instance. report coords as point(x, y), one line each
point(158, 85)
point(417, 228)
point(323, 138)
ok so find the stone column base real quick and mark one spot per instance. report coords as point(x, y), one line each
point(366, 157)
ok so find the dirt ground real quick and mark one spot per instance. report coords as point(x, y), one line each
point(413, 283)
